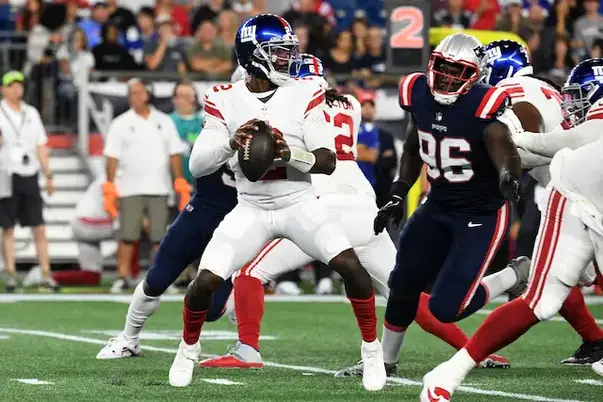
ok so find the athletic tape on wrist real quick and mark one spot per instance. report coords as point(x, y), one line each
point(301, 160)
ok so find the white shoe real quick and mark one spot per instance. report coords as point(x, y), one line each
point(598, 367)
point(373, 367)
point(288, 288)
point(119, 348)
point(33, 277)
point(120, 285)
point(439, 384)
point(324, 287)
point(181, 372)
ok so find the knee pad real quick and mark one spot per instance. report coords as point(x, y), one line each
point(548, 305)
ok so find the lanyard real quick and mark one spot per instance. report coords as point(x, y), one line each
point(12, 124)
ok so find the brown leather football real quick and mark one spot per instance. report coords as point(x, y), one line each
point(257, 154)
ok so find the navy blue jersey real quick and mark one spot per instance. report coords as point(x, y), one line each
point(451, 143)
point(218, 189)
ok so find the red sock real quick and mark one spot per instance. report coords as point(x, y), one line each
point(501, 328)
point(449, 333)
point(77, 277)
point(249, 309)
point(135, 263)
point(193, 321)
point(364, 310)
point(575, 312)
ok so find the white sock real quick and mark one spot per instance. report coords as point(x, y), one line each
point(462, 362)
point(141, 308)
point(391, 342)
point(499, 282)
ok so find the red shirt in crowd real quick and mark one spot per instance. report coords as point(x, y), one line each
point(488, 18)
point(180, 18)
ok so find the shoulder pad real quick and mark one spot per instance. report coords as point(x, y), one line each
point(213, 101)
point(494, 101)
point(405, 88)
point(596, 111)
point(310, 93)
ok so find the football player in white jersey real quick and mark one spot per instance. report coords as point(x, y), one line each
point(349, 197)
point(283, 202)
point(570, 234)
point(538, 106)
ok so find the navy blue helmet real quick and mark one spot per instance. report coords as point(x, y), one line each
point(504, 59)
point(584, 87)
point(309, 66)
point(266, 47)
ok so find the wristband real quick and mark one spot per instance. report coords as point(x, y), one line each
point(400, 189)
point(301, 160)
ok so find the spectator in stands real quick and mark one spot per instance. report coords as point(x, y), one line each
point(30, 15)
point(536, 11)
point(248, 8)
point(228, 25)
point(368, 138)
point(597, 50)
point(587, 29)
point(166, 53)
point(562, 62)
point(339, 60)
point(177, 13)
point(360, 35)
point(514, 21)
point(372, 64)
point(188, 119)
point(562, 16)
point(454, 16)
point(24, 134)
point(110, 55)
point(302, 13)
point(146, 25)
point(208, 55)
point(301, 31)
point(71, 16)
point(122, 17)
point(144, 144)
point(93, 26)
point(209, 11)
point(486, 13)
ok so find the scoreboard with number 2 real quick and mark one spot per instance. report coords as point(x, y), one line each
point(408, 35)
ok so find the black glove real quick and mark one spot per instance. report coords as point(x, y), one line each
point(394, 209)
point(510, 187)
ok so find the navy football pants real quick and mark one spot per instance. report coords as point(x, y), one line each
point(451, 251)
point(183, 244)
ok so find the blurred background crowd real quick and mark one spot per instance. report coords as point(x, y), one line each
point(60, 44)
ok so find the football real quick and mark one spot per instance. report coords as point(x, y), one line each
point(257, 154)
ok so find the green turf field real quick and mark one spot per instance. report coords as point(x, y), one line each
point(56, 342)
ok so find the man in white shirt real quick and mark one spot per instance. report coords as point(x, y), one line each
point(144, 143)
point(25, 138)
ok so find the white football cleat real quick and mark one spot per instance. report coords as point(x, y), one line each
point(373, 367)
point(325, 287)
point(288, 288)
point(119, 347)
point(439, 384)
point(598, 367)
point(181, 372)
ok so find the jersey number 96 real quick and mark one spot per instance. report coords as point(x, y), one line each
point(437, 155)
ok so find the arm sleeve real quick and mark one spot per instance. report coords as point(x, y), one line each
point(548, 144)
point(318, 133)
point(211, 149)
point(530, 160)
point(41, 137)
point(112, 142)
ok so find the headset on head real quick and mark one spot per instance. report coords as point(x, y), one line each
point(147, 86)
point(188, 83)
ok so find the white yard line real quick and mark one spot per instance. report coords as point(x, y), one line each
point(304, 369)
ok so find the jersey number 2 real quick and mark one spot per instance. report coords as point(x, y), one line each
point(347, 139)
point(436, 154)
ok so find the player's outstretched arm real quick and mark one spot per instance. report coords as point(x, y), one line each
point(504, 156)
point(408, 173)
point(548, 144)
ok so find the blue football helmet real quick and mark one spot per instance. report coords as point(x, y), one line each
point(266, 47)
point(584, 87)
point(309, 66)
point(504, 59)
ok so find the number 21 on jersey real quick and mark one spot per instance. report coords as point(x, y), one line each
point(440, 163)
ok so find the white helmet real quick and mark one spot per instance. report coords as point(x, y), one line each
point(454, 67)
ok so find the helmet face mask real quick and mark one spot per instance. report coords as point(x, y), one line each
point(452, 77)
point(583, 89)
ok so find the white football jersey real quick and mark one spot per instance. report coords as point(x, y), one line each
point(347, 177)
point(294, 110)
point(543, 97)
